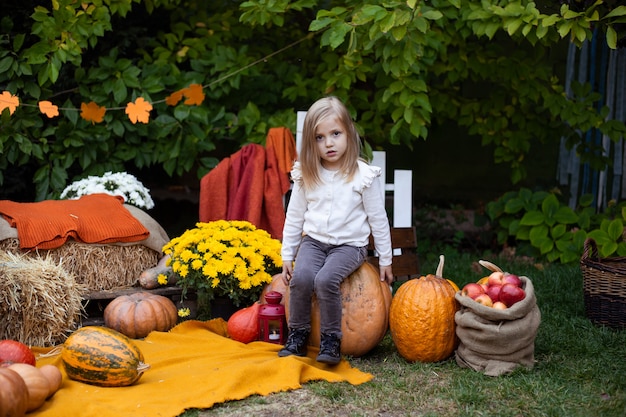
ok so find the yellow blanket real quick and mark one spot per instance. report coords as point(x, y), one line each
point(193, 366)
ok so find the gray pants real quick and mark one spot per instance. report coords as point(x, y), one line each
point(320, 269)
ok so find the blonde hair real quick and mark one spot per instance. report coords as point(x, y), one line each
point(310, 159)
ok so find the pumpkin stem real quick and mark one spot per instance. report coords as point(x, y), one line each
point(490, 266)
point(142, 367)
point(439, 272)
point(53, 352)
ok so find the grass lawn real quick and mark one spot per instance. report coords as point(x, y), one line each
point(580, 368)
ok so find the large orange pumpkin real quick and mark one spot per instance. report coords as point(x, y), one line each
point(421, 318)
point(136, 315)
point(365, 303)
point(243, 325)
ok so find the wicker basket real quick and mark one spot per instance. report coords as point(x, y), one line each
point(604, 287)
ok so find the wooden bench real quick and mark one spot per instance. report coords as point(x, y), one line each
point(405, 260)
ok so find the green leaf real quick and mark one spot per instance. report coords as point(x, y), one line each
point(619, 11)
point(432, 15)
point(616, 229)
point(532, 218)
point(607, 249)
point(5, 63)
point(611, 37)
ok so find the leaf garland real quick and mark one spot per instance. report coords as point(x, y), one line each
point(137, 111)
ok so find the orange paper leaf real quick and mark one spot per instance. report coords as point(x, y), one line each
point(92, 112)
point(48, 109)
point(174, 98)
point(194, 94)
point(8, 101)
point(139, 111)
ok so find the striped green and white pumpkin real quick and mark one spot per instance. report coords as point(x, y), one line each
point(101, 356)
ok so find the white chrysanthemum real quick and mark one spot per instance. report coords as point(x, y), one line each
point(119, 183)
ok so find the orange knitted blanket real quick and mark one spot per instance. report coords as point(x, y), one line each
point(95, 218)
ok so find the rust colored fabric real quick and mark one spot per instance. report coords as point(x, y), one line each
point(249, 185)
point(280, 141)
point(95, 218)
point(194, 365)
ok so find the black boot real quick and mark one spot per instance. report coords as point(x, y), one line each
point(330, 349)
point(296, 344)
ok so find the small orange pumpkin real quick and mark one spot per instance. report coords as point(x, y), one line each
point(136, 315)
point(243, 325)
point(421, 318)
point(365, 303)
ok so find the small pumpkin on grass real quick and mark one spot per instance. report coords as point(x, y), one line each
point(136, 315)
point(102, 356)
point(243, 325)
point(421, 319)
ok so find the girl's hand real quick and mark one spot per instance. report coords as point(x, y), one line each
point(287, 271)
point(386, 274)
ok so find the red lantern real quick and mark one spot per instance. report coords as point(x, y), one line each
point(272, 320)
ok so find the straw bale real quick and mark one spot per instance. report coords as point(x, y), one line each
point(40, 301)
point(98, 267)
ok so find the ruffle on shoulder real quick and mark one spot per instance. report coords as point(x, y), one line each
point(296, 172)
point(368, 174)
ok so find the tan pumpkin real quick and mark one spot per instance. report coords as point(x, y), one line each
point(54, 377)
point(243, 325)
point(13, 394)
point(36, 383)
point(149, 279)
point(136, 315)
point(421, 318)
point(365, 303)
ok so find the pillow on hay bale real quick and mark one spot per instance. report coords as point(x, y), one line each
point(100, 267)
point(40, 302)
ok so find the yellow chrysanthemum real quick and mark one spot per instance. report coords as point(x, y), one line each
point(225, 258)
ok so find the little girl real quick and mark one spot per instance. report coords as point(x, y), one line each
point(335, 205)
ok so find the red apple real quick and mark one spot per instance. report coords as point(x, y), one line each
point(12, 351)
point(484, 300)
point(496, 278)
point(499, 305)
point(472, 290)
point(511, 294)
point(512, 279)
point(493, 291)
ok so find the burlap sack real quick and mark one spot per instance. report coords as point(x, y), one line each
point(495, 341)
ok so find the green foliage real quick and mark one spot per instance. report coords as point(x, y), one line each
point(544, 227)
point(400, 66)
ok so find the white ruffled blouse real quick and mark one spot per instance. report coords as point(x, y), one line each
point(337, 212)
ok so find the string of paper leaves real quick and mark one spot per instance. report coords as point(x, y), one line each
point(138, 110)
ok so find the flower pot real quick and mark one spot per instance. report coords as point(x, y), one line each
point(222, 307)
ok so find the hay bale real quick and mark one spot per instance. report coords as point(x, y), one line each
point(98, 267)
point(40, 301)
